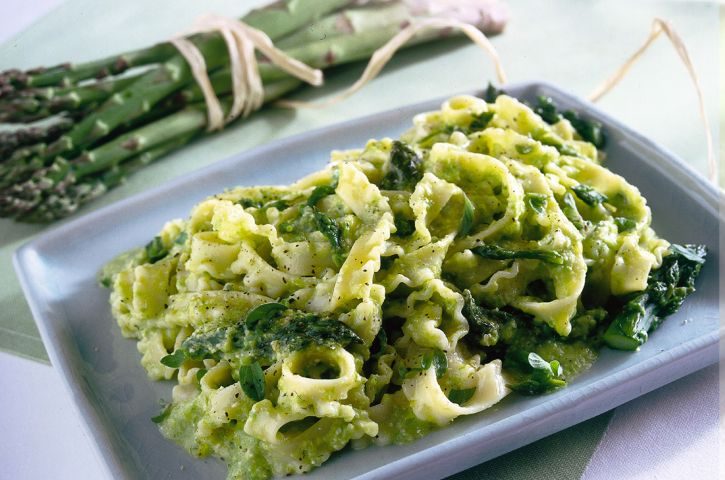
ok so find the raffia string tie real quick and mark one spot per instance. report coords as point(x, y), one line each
point(248, 90)
point(242, 41)
point(382, 56)
point(658, 26)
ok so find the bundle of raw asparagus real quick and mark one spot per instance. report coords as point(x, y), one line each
point(89, 125)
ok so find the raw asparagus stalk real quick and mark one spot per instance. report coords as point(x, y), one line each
point(14, 139)
point(64, 203)
point(277, 19)
point(161, 91)
point(33, 104)
point(58, 180)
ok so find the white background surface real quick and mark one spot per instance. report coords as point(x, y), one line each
point(672, 433)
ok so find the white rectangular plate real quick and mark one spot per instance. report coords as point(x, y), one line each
point(102, 371)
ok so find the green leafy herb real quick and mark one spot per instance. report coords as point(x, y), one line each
point(403, 226)
point(436, 358)
point(524, 149)
point(589, 195)
point(319, 193)
point(492, 93)
point(536, 202)
point(200, 345)
point(175, 359)
point(332, 232)
point(163, 415)
point(589, 130)
point(181, 238)
point(461, 396)
point(200, 374)
point(624, 224)
point(405, 170)
point(156, 250)
point(251, 379)
point(546, 108)
point(467, 217)
point(494, 252)
point(539, 376)
point(481, 120)
point(264, 311)
point(484, 324)
point(667, 288)
point(571, 212)
point(303, 330)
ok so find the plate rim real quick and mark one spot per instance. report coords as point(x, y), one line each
point(102, 436)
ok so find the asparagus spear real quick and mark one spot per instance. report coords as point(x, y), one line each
point(667, 288)
point(143, 94)
point(14, 139)
point(277, 19)
point(161, 91)
point(33, 104)
point(64, 179)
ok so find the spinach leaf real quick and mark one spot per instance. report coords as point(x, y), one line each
point(480, 121)
point(492, 93)
point(264, 311)
point(156, 250)
point(546, 109)
point(332, 232)
point(494, 252)
point(667, 288)
point(405, 170)
point(484, 324)
point(589, 130)
point(403, 226)
point(251, 379)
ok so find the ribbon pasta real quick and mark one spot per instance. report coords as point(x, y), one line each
point(350, 292)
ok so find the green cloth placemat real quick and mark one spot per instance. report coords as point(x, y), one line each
point(572, 44)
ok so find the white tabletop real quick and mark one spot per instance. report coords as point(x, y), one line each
point(671, 433)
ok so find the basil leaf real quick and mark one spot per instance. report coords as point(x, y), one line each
point(262, 311)
point(251, 379)
point(175, 359)
point(539, 363)
point(467, 218)
point(461, 396)
point(588, 195)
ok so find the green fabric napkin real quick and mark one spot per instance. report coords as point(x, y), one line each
point(572, 44)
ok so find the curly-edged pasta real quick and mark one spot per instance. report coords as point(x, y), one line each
point(408, 283)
